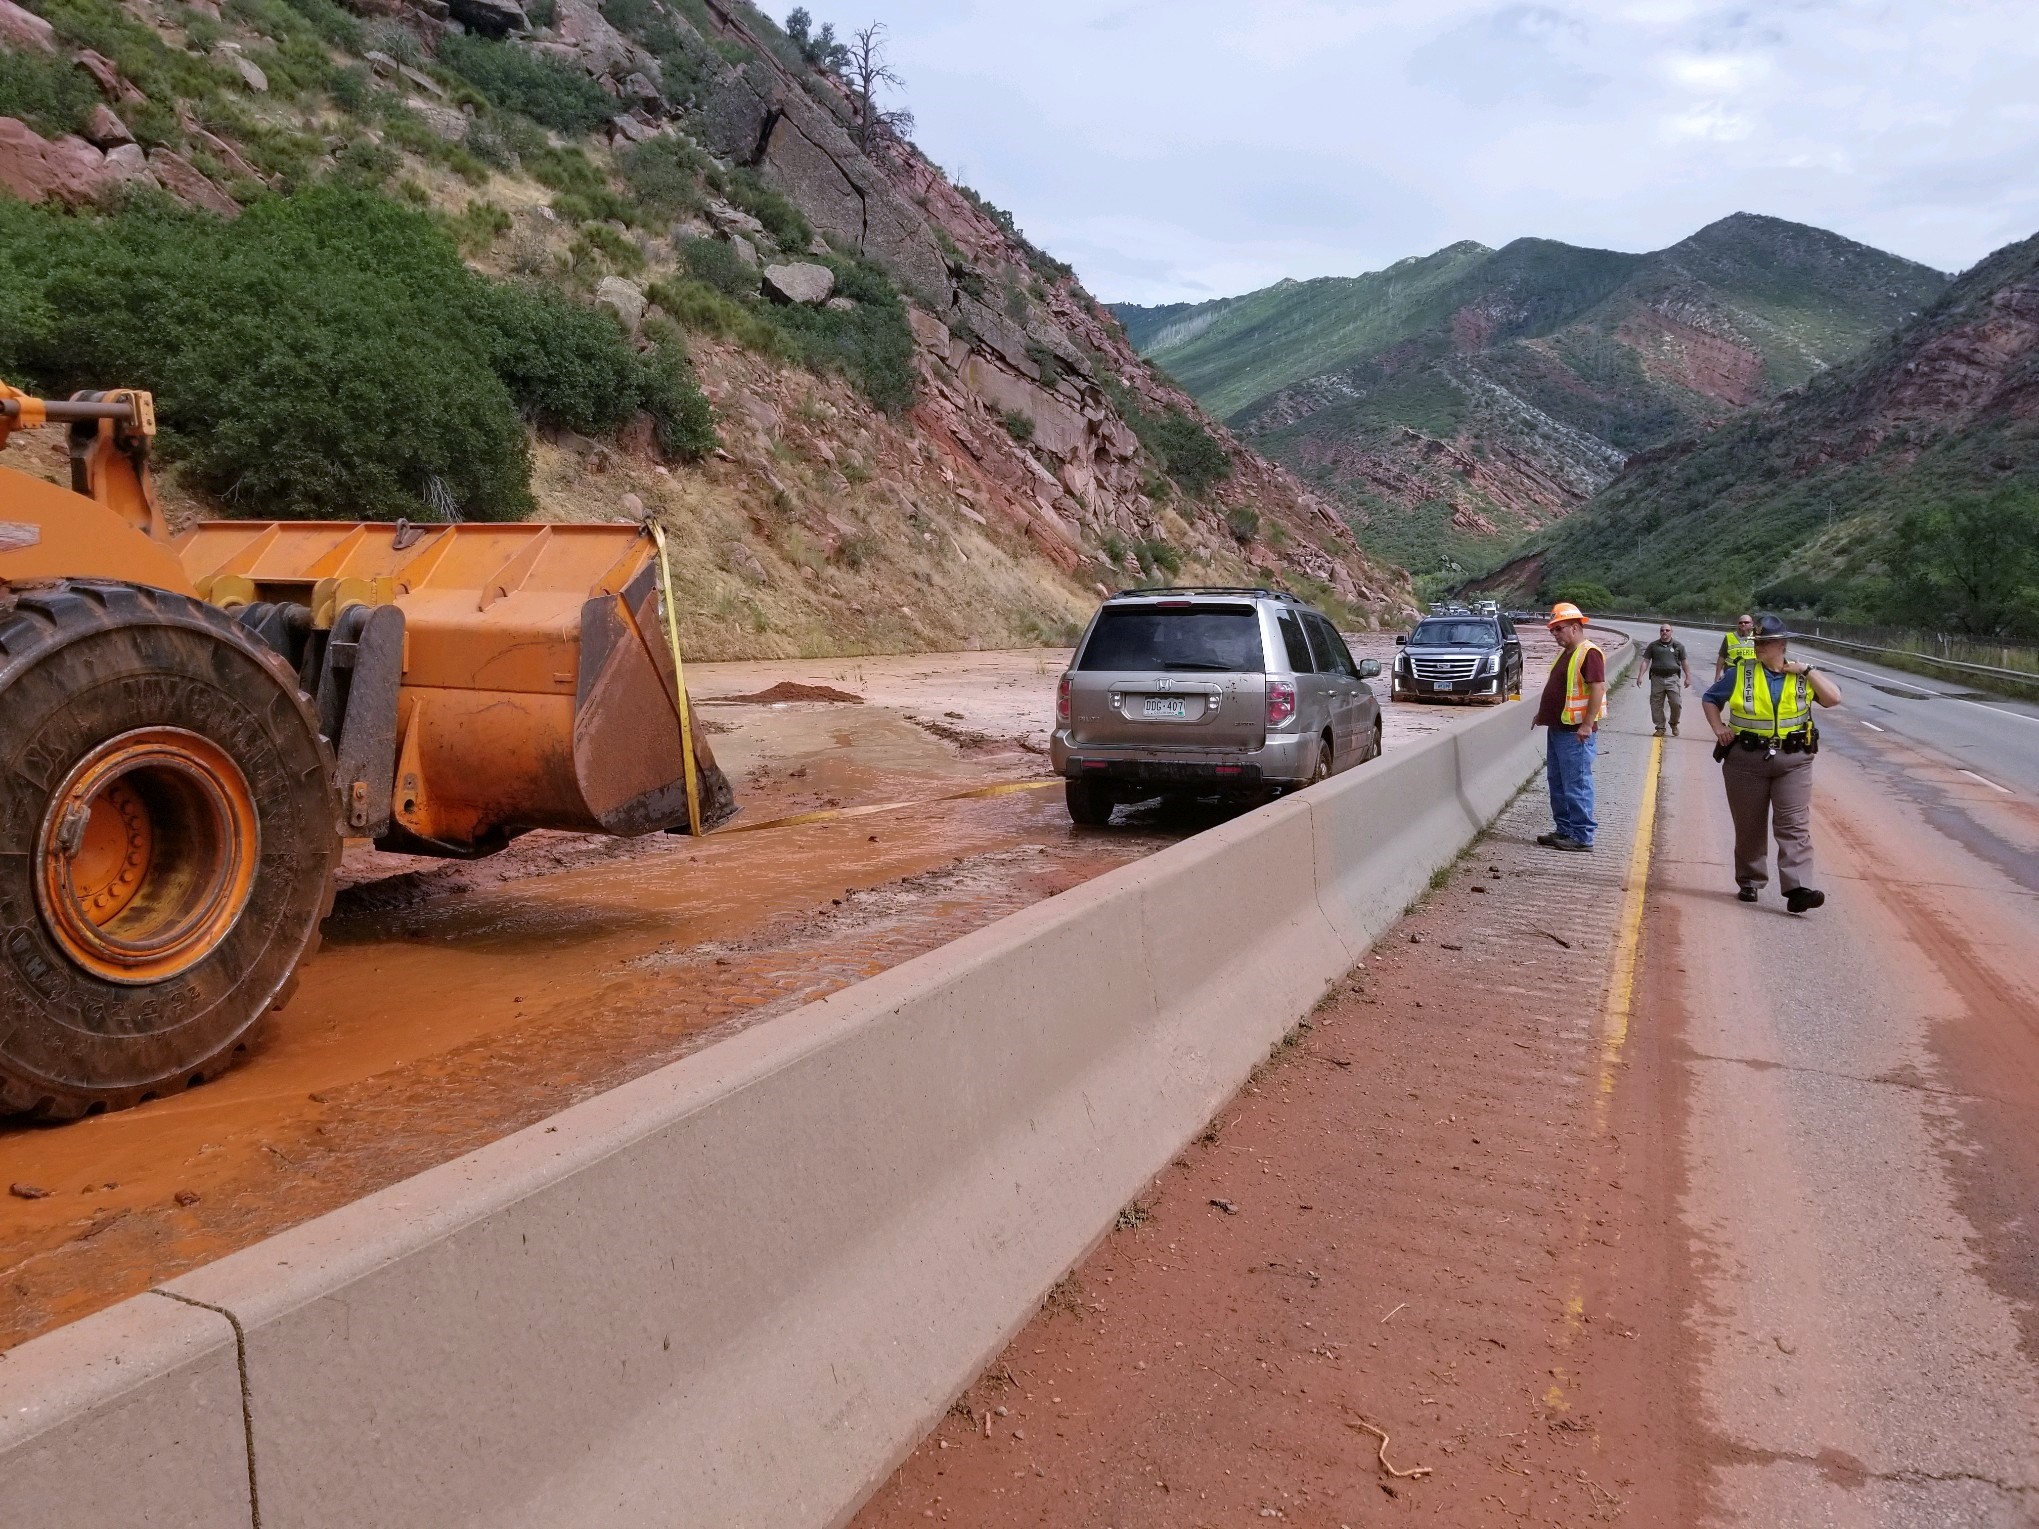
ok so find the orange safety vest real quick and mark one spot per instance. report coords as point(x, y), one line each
point(1576, 696)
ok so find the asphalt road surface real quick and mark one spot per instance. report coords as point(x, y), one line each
point(1744, 1239)
point(1857, 1102)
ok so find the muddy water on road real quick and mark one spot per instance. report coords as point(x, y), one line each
point(453, 1003)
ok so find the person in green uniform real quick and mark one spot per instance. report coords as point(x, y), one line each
point(1670, 676)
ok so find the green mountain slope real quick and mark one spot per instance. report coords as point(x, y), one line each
point(1794, 503)
point(1455, 403)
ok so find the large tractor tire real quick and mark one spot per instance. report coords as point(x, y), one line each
point(168, 838)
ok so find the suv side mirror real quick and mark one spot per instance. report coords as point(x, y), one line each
point(1401, 639)
point(1369, 668)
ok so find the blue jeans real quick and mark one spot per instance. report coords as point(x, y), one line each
point(1568, 761)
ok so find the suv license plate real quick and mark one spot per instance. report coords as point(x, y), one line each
point(1165, 708)
point(1443, 684)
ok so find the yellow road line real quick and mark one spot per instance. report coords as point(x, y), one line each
point(1621, 982)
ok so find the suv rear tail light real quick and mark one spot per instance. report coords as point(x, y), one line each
point(1281, 702)
point(1062, 699)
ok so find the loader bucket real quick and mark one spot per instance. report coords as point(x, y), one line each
point(503, 677)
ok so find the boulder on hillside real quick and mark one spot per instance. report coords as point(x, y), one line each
point(800, 282)
point(622, 297)
point(586, 40)
point(250, 72)
point(444, 121)
point(34, 169)
point(183, 180)
point(106, 76)
point(25, 30)
point(491, 18)
point(104, 128)
point(734, 220)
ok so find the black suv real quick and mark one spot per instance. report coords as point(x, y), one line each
point(1459, 658)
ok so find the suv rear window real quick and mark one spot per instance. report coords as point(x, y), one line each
point(1220, 639)
point(1455, 634)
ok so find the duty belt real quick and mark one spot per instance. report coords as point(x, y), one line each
point(1804, 740)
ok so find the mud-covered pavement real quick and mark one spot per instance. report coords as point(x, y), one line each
point(455, 1002)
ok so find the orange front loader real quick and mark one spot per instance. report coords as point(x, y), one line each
point(190, 727)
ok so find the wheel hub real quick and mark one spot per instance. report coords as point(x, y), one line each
point(147, 855)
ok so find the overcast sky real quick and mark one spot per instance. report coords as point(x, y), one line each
point(1184, 149)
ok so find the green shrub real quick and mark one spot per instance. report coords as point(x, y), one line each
point(1156, 555)
point(365, 165)
point(664, 176)
point(1243, 522)
point(781, 218)
point(160, 71)
point(620, 250)
point(707, 310)
point(716, 263)
point(542, 88)
point(1585, 594)
point(50, 93)
point(1191, 454)
point(325, 355)
point(1019, 425)
point(477, 226)
point(1046, 362)
point(871, 344)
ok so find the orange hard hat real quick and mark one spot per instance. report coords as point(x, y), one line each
point(1565, 611)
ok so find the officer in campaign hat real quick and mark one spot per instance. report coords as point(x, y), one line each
point(1761, 714)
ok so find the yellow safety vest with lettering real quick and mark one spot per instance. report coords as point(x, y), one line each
point(1576, 696)
point(1740, 650)
point(1751, 708)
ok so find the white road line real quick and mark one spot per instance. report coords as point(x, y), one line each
point(1937, 695)
point(1873, 727)
point(1989, 783)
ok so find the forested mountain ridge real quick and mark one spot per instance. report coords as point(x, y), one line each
point(1455, 402)
point(1901, 485)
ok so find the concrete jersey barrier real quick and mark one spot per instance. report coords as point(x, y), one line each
point(739, 1289)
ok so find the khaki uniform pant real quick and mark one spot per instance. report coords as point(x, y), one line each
point(1666, 690)
point(1763, 795)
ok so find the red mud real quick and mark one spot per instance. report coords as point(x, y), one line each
point(1408, 1219)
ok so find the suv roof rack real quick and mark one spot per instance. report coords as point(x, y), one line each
point(1210, 589)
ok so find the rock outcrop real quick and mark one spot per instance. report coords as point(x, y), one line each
point(800, 282)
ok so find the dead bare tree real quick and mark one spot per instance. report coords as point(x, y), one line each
point(865, 71)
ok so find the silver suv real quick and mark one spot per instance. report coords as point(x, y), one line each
point(1200, 692)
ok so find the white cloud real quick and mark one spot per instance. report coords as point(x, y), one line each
point(1180, 148)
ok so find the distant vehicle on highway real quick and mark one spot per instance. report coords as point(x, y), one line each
point(1487, 607)
point(1459, 658)
point(1243, 693)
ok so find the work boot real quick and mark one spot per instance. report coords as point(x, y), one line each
point(1559, 841)
point(1548, 841)
point(1674, 729)
point(1803, 899)
point(1747, 894)
point(1659, 733)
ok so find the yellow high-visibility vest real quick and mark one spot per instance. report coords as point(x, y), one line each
point(1576, 695)
point(1740, 650)
point(1751, 708)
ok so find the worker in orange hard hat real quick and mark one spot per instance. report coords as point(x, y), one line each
point(1574, 701)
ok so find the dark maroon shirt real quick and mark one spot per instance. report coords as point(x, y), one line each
point(1551, 709)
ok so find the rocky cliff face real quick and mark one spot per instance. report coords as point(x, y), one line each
point(1031, 469)
point(1004, 331)
point(1492, 393)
